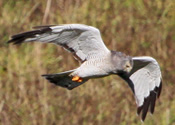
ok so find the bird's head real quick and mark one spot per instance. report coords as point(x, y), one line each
point(121, 62)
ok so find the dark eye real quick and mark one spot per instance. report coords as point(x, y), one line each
point(127, 66)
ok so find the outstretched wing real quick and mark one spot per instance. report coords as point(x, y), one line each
point(147, 80)
point(83, 41)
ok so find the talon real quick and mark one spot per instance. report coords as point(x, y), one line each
point(80, 80)
point(77, 79)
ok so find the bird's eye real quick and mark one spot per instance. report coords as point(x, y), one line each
point(127, 66)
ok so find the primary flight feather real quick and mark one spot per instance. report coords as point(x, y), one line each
point(142, 74)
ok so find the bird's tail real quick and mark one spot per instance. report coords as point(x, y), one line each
point(63, 79)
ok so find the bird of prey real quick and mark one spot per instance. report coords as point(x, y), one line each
point(142, 74)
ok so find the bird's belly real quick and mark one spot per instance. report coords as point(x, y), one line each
point(90, 71)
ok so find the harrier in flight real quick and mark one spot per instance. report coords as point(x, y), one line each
point(142, 74)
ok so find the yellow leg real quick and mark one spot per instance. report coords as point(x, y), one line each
point(77, 79)
point(80, 80)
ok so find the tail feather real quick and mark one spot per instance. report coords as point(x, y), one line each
point(63, 79)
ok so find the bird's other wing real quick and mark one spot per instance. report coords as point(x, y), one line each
point(147, 80)
point(83, 41)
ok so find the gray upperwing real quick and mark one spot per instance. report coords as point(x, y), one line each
point(83, 41)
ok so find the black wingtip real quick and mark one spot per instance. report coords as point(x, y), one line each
point(19, 38)
point(159, 89)
point(139, 109)
point(153, 101)
point(44, 75)
point(16, 41)
point(145, 107)
point(149, 102)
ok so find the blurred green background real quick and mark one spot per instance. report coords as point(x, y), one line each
point(135, 27)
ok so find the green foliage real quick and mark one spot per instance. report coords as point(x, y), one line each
point(136, 27)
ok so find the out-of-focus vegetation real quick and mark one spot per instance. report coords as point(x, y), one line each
point(136, 27)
